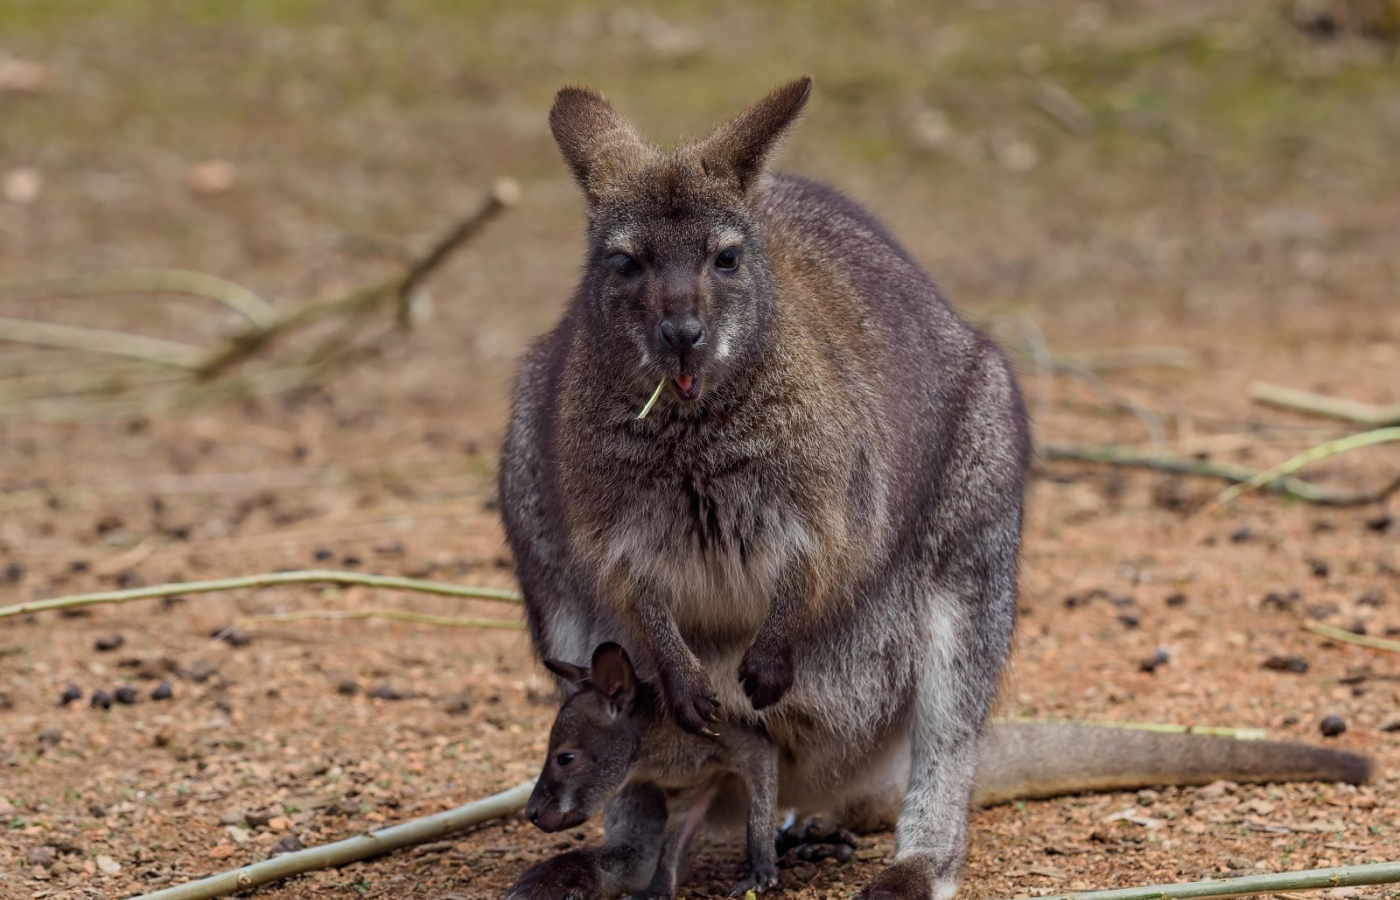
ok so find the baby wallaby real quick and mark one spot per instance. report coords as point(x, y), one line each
point(614, 731)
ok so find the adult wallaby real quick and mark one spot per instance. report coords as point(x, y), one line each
point(612, 731)
point(817, 527)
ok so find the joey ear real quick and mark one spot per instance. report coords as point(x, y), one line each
point(613, 676)
point(567, 671)
point(598, 144)
point(740, 148)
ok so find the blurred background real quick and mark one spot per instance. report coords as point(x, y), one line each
point(1154, 204)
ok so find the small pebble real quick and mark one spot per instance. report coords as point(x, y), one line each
point(232, 635)
point(1320, 568)
point(1177, 599)
point(200, 670)
point(50, 737)
point(1129, 620)
point(1332, 726)
point(1381, 523)
point(288, 844)
point(101, 700)
point(39, 856)
point(163, 691)
point(125, 695)
point(347, 688)
point(1242, 534)
point(323, 554)
point(108, 642)
point(97, 810)
point(1390, 723)
point(389, 692)
point(1151, 663)
point(1295, 664)
point(71, 694)
point(14, 573)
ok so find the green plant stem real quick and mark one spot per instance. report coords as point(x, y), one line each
point(351, 849)
point(271, 579)
point(1307, 880)
point(1362, 640)
point(400, 615)
point(1311, 455)
point(1286, 485)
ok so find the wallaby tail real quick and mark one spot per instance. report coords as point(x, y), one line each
point(1024, 761)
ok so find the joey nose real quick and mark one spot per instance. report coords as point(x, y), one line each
point(682, 333)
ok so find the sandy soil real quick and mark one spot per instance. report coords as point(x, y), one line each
point(1217, 183)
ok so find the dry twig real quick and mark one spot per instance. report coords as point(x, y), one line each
point(397, 615)
point(271, 579)
point(1312, 455)
point(1370, 415)
point(352, 849)
point(1248, 885)
point(1286, 485)
point(1361, 640)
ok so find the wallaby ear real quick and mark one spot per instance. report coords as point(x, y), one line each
point(598, 144)
point(740, 148)
point(614, 677)
point(567, 671)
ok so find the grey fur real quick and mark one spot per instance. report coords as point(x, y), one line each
point(823, 543)
point(611, 734)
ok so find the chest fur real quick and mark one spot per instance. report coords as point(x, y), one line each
point(716, 545)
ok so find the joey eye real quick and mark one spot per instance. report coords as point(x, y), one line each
point(727, 260)
point(624, 264)
point(564, 759)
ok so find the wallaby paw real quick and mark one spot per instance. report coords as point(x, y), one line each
point(568, 876)
point(914, 878)
point(692, 702)
point(760, 878)
point(814, 840)
point(766, 674)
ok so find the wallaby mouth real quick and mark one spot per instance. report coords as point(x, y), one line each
point(687, 385)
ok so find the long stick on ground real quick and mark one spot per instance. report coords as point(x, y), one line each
point(1312, 455)
point(1361, 640)
point(363, 846)
point(1307, 880)
point(99, 340)
point(397, 615)
point(150, 281)
point(1287, 485)
point(310, 576)
point(1371, 415)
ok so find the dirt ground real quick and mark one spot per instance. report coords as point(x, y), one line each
point(1088, 179)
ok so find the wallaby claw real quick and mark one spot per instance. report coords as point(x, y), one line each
point(759, 880)
point(693, 703)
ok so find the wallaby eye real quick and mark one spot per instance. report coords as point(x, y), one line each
point(564, 759)
point(727, 260)
point(624, 264)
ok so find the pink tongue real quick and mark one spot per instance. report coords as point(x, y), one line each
point(685, 382)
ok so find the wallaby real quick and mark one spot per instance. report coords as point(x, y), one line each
point(816, 528)
point(612, 731)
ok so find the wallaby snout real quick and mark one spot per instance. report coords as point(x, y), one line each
point(682, 334)
point(548, 814)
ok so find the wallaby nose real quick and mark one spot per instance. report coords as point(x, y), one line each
point(682, 333)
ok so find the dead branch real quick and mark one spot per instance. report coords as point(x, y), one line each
point(352, 849)
point(1371, 415)
point(1287, 485)
point(404, 287)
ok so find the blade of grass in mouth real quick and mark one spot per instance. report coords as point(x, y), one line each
point(655, 395)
